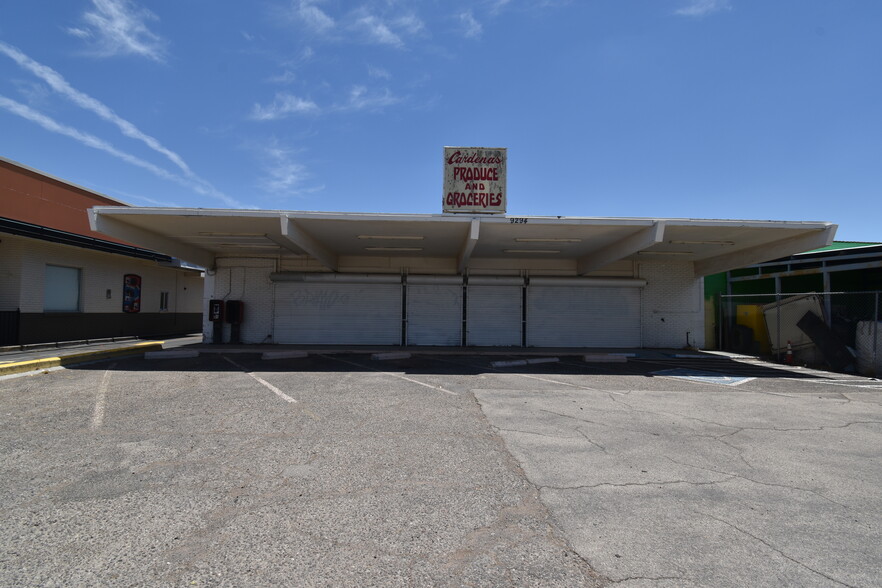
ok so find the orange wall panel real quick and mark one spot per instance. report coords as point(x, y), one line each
point(29, 197)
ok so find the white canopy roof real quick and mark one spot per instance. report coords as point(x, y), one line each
point(201, 235)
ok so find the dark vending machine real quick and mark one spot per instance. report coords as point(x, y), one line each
point(235, 312)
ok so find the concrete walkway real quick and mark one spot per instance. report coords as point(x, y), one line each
point(17, 360)
point(29, 358)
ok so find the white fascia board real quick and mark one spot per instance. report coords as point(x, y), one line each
point(749, 224)
point(579, 221)
point(107, 224)
point(468, 246)
point(185, 212)
point(462, 218)
point(467, 218)
point(760, 253)
point(292, 232)
point(370, 217)
point(622, 248)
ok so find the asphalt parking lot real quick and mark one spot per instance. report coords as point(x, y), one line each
point(336, 470)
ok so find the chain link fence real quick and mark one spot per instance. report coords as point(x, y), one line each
point(838, 330)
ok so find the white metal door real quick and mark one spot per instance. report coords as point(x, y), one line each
point(583, 316)
point(494, 315)
point(338, 313)
point(434, 314)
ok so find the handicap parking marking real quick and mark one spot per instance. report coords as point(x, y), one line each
point(703, 377)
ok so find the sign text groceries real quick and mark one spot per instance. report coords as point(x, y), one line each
point(474, 180)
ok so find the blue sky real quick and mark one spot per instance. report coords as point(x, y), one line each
point(651, 108)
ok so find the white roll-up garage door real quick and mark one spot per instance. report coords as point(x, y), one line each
point(434, 310)
point(494, 312)
point(561, 315)
point(338, 313)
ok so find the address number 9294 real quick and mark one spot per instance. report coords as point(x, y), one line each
point(518, 221)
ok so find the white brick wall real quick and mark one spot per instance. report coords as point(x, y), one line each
point(673, 305)
point(672, 302)
point(99, 271)
point(246, 280)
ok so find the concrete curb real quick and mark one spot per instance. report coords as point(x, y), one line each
point(75, 358)
point(171, 354)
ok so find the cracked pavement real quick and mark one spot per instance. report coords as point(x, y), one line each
point(182, 472)
point(438, 471)
point(661, 482)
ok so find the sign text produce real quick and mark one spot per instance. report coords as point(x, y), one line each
point(474, 180)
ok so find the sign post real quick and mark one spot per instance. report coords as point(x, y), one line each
point(474, 180)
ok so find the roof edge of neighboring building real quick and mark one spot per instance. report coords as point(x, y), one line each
point(48, 176)
point(842, 246)
point(25, 229)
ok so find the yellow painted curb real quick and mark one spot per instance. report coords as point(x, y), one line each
point(51, 362)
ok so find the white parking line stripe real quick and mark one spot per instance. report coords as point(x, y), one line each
point(505, 373)
point(432, 386)
point(275, 390)
point(579, 386)
point(854, 383)
point(101, 399)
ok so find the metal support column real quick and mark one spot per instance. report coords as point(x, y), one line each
point(876, 337)
point(778, 322)
point(828, 299)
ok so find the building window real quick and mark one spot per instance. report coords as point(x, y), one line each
point(163, 301)
point(61, 289)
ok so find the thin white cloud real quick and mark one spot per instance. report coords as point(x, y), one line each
point(377, 31)
point(409, 23)
point(133, 198)
point(283, 173)
point(362, 99)
point(57, 82)
point(380, 23)
point(314, 17)
point(118, 27)
point(498, 5)
point(703, 7)
point(383, 30)
point(379, 73)
point(35, 93)
point(28, 113)
point(282, 106)
point(471, 27)
point(359, 98)
point(286, 77)
point(89, 140)
point(81, 33)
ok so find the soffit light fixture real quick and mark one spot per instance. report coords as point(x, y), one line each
point(210, 234)
point(664, 252)
point(393, 248)
point(394, 237)
point(723, 243)
point(548, 240)
point(530, 251)
point(248, 245)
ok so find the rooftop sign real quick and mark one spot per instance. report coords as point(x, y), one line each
point(474, 180)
